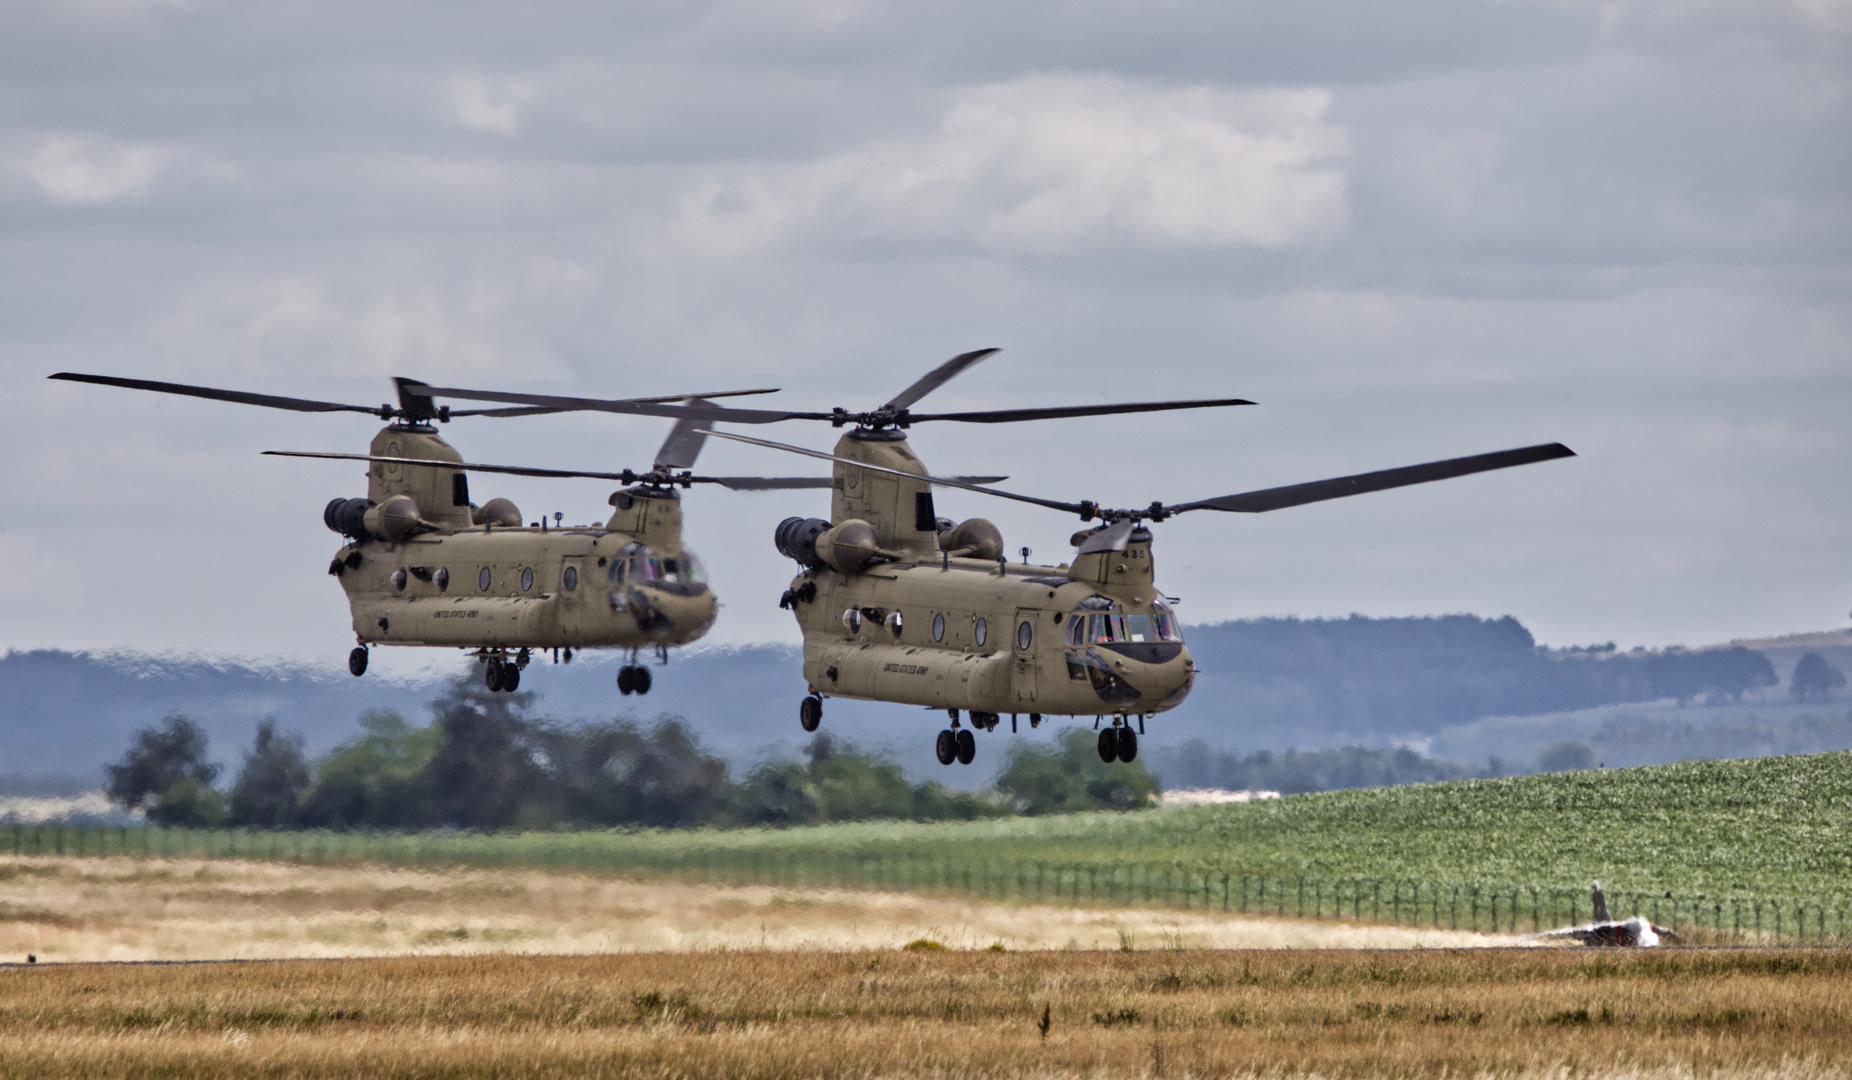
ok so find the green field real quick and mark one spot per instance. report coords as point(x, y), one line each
point(1735, 845)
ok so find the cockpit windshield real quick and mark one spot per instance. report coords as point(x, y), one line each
point(1096, 628)
point(642, 566)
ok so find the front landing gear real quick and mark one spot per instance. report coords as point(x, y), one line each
point(1118, 743)
point(357, 661)
point(810, 713)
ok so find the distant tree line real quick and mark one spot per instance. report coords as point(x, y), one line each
point(1360, 676)
point(484, 763)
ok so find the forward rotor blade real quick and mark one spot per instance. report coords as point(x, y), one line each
point(517, 411)
point(653, 406)
point(1006, 416)
point(1256, 502)
point(268, 401)
point(942, 481)
point(937, 377)
point(464, 466)
point(1111, 538)
point(792, 483)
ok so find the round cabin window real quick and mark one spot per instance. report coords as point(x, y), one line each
point(1024, 634)
point(442, 579)
point(983, 631)
point(527, 580)
point(571, 578)
point(938, 627)
point(482, 580)
point(398, 579)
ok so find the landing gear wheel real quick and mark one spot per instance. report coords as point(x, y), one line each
point(810, 713)
point(639, 679)
point(511, 678)
point(948, 747)
point(357, 662)
point(1109, 745)
point(1128, 744)
point(967, 746)
point(492, 677)
point(624, 685)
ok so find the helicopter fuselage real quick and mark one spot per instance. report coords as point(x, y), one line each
point(921, 622)
point(460, 577)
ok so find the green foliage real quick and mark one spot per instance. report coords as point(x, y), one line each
point(1069, 777)
point(165, 773)
point(373, 780)
point(269, 788)
point(837, 783)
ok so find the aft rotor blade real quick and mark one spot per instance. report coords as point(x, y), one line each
point(1256, 502)
point(464, 466)
point(684, 443)
point(1111, 538)
point(942, 481)
point(792, 483)
point(1006, 416)
point(938, 377)
point(268, 401)
point(651, 406)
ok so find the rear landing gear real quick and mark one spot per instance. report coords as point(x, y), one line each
point(633, 679)
point(810, 713)
point(501, 673)
point(956, 743)
point(357, 661)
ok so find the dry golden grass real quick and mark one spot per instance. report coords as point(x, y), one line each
point(131, 909)
point(1530, 1013)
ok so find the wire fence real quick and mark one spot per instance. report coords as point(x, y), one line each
point(1490, 908)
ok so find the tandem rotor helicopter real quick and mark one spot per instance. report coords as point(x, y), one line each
point(897, 604)
point(423, 565)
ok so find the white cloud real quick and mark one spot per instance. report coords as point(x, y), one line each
point(490, 105)
point(81, 170)
point(1062, 163)
point(298, 323)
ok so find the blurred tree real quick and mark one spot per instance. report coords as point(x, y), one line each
point(484, 768)
point(1566, 757)
point(166, 774)
point(269, 788)
point(373, 781)
point(1814, 679)
point(1069, 777)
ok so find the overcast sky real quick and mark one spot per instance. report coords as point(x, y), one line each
point(1408, 231)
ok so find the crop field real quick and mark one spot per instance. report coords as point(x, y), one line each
point(1745, 851)
point(1519, 1013)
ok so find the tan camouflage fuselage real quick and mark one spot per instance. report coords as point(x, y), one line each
point(978, 634)
point(460, 583)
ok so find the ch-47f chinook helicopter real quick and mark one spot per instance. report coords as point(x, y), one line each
point(422, 565)
point(899, 605)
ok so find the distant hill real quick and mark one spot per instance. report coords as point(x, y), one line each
point(1267, 684)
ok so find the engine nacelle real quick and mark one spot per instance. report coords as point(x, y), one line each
point(497, 512)
point(348, 517)
point(973, 539)
point(848, 547)
point(395, 519)
point(797, 539)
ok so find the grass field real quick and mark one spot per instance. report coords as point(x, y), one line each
point(967, 1014)
point(155, 909)
point(1753, 843)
